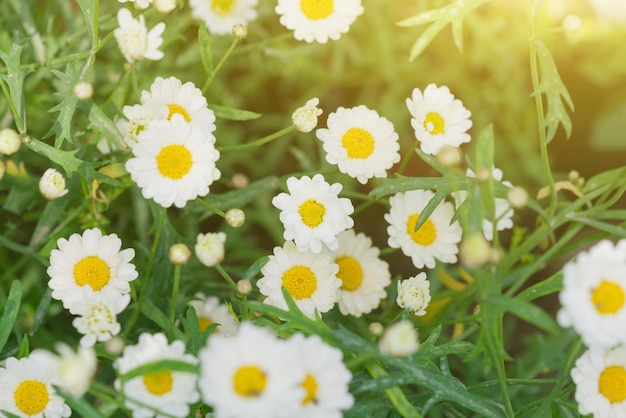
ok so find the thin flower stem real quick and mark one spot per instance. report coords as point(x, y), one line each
point(226, 276)
point(406, 158)
point(219, 65)
point(211, 207)
point(258, 142)
point(175, 286)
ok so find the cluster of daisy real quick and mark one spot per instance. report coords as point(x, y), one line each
point(593, 302)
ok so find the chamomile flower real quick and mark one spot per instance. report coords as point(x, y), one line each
point(134, 40)
point(209, 311)
point(309, 278)
point(600, 378)
point(137, 119)
point(326, 378)
point(27, 389)
point(363, 274)
point(593, 297)
point(209, 248)
point(360, 142)
point(318, 20)
point(304, 118)
point(174, 162)
point(313, 213)
point(414, 294)
point(97, 314)
point(438, 118)
point(169, 97)
point(159, 394)
point(220, 16)
point(436, 239)
point(251, 374)
point(90, 259)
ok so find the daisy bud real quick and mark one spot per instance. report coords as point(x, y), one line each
point(164, 6)
point(572, 23)
point(235, 217)
point(573, 176)
point(483, 174)
point(239, 180)
point(9, 141)
point(449, 156)
point(399, 340)
point(475, 251)
point(210, 248)
point(114, 346)
point(305, 118)
point(83, 90)
point(52, 184)
point(179, 254)
point(517, 197)
point(376, 329)
point(240, 31)
point(414, 294)
point(244, 287)
point(76, 369)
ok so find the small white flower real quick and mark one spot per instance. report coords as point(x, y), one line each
point(360, 142)
point(304, 118)
point(399, 340)
point(138, 118)
point(364, 276)
point(220, 16)
point(437, 238)
point(210, 311)
point(76, 369)
point(83, 90)
point(414, 294)
point(168, 392)
point(438, 118)
point(318, 20)
point(251, 374)
point(9, 141)
point(139, 4)
point(240, 31)
point(89, 260)
point(309, 278)
point(593, 297)
point(52, 184)
point(97, 314)
point(313, 213)
point(134, 40)
point(235, 217)
point(210, 248)
point(326, 378)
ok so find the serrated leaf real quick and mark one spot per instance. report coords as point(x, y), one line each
point(88, 8)
point(10, 311)
point(61, 128)
point(206, 55)
point(232, 113)
point(13, 83)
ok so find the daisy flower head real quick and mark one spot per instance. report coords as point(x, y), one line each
point(436, 239)
point(313, 213)
point(134, 40)
point(251, 374)
point(414, 294)
point(360, 142)
point(364, 276)
point(304, 118)
point(438, 118)
point(220, 16)
point(76, 369)
point(174, 162)
point(27, 387)
point(593, 298)
point(89, 260)
point(209, 248)
point(309, 278)
point(52, 184)
point(137, 119)
point(210, 311)
point(399, 340)
point(158, 394)
point(97, 315)
point(318, 20)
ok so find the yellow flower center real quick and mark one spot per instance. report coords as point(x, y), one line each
point(312, 213)
point(434, 123)
point(608, 298)
point(176, 109)
point(249, 381)
point(612, 383)
point(203, 323)
point(317, 9)
point(300, 282)
point(222, 7)
point(358, 142)
point(31, 397)
point(158, 383)
point(424, 236)
point(174, 161)
point(92, 270)
point(350, 272)
point(310, 387)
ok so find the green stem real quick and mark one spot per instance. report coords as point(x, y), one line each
point(395, 394)
point(226, 276)
point(211, 207)
point(406, 158)
point(173, 300)
point(258, 142)
point(219, 65)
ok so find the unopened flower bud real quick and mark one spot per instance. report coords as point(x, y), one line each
point(114, 346)
point(9, 141)
point(399, 340)
point(244, 287)
point(239, 180)
point(376, 329)
point(179, 254)
point(483, 174)
point(164, 6)
point(83, 90)
point(475, 251)
point(52, 184)
point(210, 248)
point(517, 197)
point(235, 217)
point(414, 294)
point(305, 118)
point(240, 31)
point(449, 156)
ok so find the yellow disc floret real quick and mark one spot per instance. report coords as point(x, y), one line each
point(92, 270)
point(300, 282)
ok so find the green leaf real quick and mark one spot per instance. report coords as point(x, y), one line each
point(89, 13)
point(24, 348)
point(612, 177)
point(42, 310)
point(12, 83)
point(545, 287)
point(237, 198)
point(206, 55)
point(157, 316)
point(232, 113)
point(526, 311)
point(10, 312)
point(255, 268)
point(79, 406)
point(102, 123)
point(167, 365)
point(62, 126)
point(193, 330)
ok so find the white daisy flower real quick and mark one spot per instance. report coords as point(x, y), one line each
point(134, 40)
point(309, 278)
point(502, 208)
point(437, 238)
point(438, 118)
point(326, 378)
point(52, 184)
point(363, 274)
point(209, 248)
point(139, 4)
point(360, 142)
point(304, 118)
point(159, 394)
point(399, 340)
point(137, 119)
point(313, 213)
point(210, 311)
point(318, 20)
point(220, 16)
point(414, 294)
point(600, 378)
point(97, 315)
point(174, 162)
point(593, 297)
point(27, 389)
point(10, 141)
point(89, 259)
point(169, 97)
point(251, 374)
